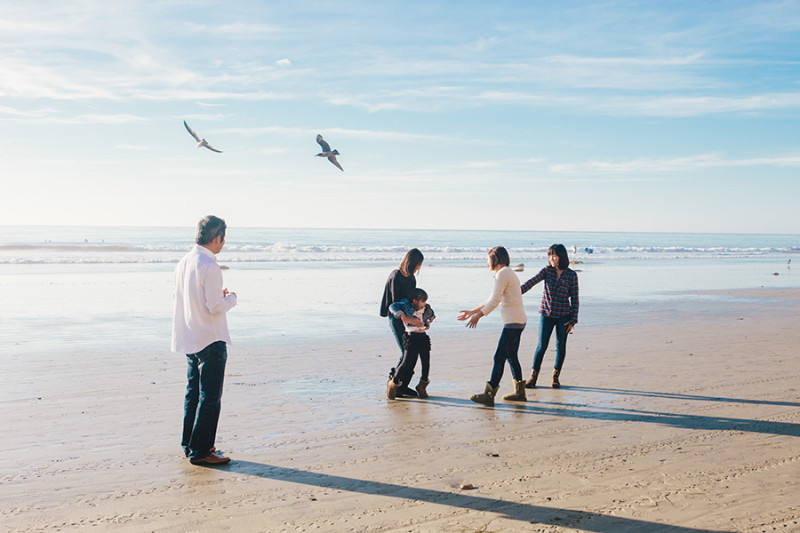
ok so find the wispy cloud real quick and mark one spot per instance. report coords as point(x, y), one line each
point(692, 106)
point(335, 131)
point(21, 113)
point(132, 147)
point(676, 164)
point(239, 30)
point(52, 117)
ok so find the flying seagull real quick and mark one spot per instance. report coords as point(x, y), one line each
point(327, 152)
point(200, 142)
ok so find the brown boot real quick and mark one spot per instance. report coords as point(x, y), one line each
point(556, 383)
point(487, 398)
point(531, 383)
point(519, 393)
point(391, 389)
point(421, 388)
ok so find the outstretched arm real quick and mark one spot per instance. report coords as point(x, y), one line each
point(533, 281)
point(472, 316)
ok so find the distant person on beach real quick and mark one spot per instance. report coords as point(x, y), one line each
point(200, 330)
point(559, 310)
point(417, 316)
point(398, 287)
point(508, 296)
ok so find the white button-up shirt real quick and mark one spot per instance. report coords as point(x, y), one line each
point(200, 307)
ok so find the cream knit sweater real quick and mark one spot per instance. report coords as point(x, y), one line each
point(508, 295)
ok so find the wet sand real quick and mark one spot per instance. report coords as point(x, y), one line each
point(688, 420)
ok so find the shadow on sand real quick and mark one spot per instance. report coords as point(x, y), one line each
point(679, 396)
point(618, 414)
point(533, 514)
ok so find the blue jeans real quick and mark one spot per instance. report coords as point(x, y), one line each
point(507, 348)
point(397, 327)
point(203, 400)
point(546, 325)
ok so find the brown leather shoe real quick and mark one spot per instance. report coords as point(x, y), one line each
point(211, 459)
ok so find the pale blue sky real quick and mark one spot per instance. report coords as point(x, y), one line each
point(605, 116)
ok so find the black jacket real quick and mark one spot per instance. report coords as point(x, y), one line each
point(397, 287)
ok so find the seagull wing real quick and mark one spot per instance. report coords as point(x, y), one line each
point(196, 136)
point(212, 148)
point(332, 159)
point(325, 146)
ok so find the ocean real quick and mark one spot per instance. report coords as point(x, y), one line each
point(88, 286)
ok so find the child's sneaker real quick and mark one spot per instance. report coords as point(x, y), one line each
point(422, 388)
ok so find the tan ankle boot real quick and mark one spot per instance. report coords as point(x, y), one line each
point(422, 387)
point(519, 393)
point(556, 383)
point(531, 383)
point(487, 398)
point(391, 389)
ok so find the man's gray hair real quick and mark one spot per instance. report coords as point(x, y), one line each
point(209, 228)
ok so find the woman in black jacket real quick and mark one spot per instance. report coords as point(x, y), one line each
point(399, 285)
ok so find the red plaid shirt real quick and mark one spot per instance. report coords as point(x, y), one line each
point(560, 297)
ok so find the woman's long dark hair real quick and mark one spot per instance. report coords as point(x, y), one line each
point(410, 262)
point(561, 252)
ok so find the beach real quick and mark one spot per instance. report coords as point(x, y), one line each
point(685, 419)
point(258, 182)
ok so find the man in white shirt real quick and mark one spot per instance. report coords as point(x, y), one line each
point(200, 330)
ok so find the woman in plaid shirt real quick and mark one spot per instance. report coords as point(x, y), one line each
point(559, 309)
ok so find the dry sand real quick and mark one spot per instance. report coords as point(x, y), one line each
point(685, 421)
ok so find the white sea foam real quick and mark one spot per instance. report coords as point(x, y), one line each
point(29, 245)
point(288, 253)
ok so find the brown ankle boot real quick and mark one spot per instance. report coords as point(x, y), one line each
point(531, 383)
point(519, 393)
point(556, 383)
point(422, 388)
point(487, 398)
point(391, 389)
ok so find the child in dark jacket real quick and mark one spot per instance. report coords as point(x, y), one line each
point(417, 316)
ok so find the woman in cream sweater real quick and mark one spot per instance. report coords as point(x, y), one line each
point(508, 296)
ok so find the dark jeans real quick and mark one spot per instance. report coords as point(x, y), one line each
point(416, 346)
point(507, 348)
point(546, 325)
point(398, 329)
point(203, 399)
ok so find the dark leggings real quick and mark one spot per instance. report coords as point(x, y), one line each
point(415, 346)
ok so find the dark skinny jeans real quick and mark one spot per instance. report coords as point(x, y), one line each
point(507, 348)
